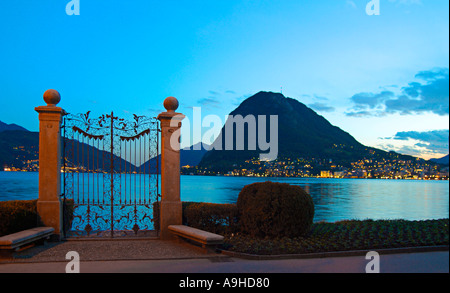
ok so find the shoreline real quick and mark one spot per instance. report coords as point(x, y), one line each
point(294, 177)
point(318, 177)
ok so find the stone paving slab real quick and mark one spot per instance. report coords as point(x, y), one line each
point(102, 250)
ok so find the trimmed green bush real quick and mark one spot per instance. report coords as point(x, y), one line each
point(271, 209)
point(214, 218)
point(18, 215)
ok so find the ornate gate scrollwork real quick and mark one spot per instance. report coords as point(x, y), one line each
point(111, 175)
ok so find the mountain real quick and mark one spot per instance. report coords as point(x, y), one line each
point(193, 155)
point(20, 149)
point(442, 161)
point(17, 147)
point(10, 127)
point(188, 156)
point(302, 133)
point(84, 156)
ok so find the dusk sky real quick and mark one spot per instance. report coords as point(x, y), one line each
point(382, 78)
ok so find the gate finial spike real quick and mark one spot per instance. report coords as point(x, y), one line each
point(171, 104)
point(52, 97)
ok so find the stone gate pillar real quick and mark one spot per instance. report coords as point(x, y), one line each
point(49, 204)
point(170, 208)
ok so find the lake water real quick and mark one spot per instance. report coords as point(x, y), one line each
point(335, 199)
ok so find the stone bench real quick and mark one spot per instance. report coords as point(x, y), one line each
point(14, 242)
point(208, 240)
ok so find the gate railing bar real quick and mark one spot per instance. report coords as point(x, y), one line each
point(112, 174)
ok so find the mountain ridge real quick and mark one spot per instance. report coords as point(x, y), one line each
point(302, 133)
point(11, 127)
point(444, 160)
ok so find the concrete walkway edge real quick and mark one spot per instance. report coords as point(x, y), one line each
point(383, 251)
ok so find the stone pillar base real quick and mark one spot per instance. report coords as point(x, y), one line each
point(49, 202)
point(171, 214)
point(50, 213)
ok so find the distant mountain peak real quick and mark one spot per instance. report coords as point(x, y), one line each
point(302, 133)
point(269, 94)
point(444, 160)
point(9, 127)
point(265, 97)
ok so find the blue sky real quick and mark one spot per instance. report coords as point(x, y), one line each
point(383, 79)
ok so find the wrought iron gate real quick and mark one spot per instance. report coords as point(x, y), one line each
point(111, 175)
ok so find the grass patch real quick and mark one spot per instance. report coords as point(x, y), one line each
point(345, 236)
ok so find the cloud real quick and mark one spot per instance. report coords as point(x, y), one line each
point(209, 101)
point(433, 74)
point(366, 114)
point(431, 95)
point(154, 110)
point(406, 2)
point(419, 98)
point(435, 141)
point(351, 4)
point(238, 100)
point(214, 93)
point(215, 98)
point(371, 100)
point(320, 98)
point(320, 107)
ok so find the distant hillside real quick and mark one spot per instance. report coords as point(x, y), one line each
point(188, 156)
point(10, 127)
point(17, 147)
point(302, 133)
point(20, 148)
point(442, 161)
point(91, 158)
point(193, 155)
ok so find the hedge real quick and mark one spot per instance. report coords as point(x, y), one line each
point(272, 209)
point(214, 218)
point(18, 215)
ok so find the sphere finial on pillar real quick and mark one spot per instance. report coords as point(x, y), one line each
point(171, 104)
point(52, 97)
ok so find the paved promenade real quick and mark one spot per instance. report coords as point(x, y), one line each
point(156, 256)
point(428, 262)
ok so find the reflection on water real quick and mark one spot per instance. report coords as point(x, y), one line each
point(335, 199)
point(19, 185)
point(339, 199)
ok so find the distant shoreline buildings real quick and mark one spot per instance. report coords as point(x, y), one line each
point(394, 168)
point(319, 168)
point(282, 170)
